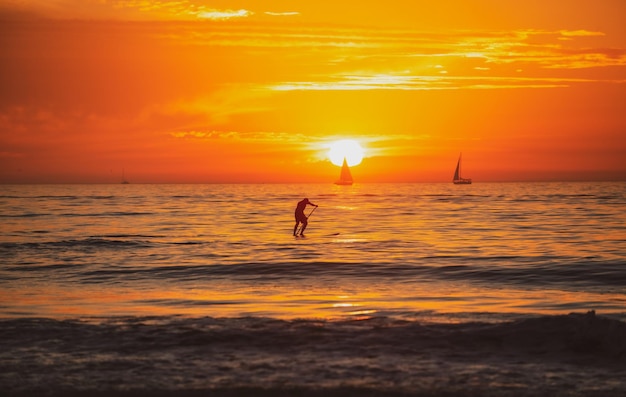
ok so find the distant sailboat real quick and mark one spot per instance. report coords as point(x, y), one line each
point(124, 180)
point(345, 178)
point(458, 180)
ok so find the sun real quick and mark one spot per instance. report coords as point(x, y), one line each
point(348, 149)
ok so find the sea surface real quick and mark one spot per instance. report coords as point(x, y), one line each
point(490, 289)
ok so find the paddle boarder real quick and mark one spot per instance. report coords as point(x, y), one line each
point(300, 217)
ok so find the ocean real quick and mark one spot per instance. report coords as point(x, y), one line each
point(490, 289)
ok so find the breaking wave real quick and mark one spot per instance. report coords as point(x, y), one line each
point(251, 355)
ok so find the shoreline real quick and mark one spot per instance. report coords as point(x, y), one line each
point(569, 355)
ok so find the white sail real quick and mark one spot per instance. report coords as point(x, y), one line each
point(457, 171)
point(458, 179)
point(345, 178)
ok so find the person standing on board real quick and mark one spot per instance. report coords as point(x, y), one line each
point(300, 217)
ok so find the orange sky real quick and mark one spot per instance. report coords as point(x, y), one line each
point(251, 91)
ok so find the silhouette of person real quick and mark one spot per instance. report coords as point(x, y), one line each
point(300, 217)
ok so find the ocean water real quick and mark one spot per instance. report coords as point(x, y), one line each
point(397, 289)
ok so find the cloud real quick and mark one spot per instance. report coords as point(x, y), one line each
point(205, 134)
point(126, 9)
point(580, 33)
point(252, 136)
point(221, 15)
point(423, 83)
point(534, 48)
point(289, 13)
point(174, 9)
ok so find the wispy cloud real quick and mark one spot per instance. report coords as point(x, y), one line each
point(412, 60)
point(279, 14)
point(420, 83)
point(184, 9)
point(175, 9)
point(132, 10)
point(580, 33)
point(224, 14)
point(205, 134)
point(541, 49)
point(255, 136)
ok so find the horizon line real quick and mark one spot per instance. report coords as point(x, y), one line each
point(317, 183)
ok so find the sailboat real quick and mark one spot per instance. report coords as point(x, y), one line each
point(345, 178)
point(458, 180)
point(124, 180)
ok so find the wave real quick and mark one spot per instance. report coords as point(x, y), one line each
point(542, 274)
point(607, 274)
point(375, 356)
point(60, 197)
point(222, 259)
point(573, 334)
point(26, 215)
point(114, 214)
point(90, 242)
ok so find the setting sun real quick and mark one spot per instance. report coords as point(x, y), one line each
point(348, 149)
